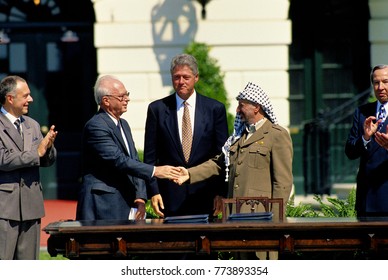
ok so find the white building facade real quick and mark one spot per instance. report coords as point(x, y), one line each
point(136, 40)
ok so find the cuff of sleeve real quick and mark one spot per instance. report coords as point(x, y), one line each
point(153, 172)
point(365, 142)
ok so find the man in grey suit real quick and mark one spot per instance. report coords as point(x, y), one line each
point(23, 149)
point(113, 175)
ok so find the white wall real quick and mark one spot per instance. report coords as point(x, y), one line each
point(136, 40)
point(378, 31)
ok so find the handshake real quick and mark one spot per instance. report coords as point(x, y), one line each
point(178, 175)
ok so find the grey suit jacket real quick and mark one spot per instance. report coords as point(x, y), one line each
point(21, 196)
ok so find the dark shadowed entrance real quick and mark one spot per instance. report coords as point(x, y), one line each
point(60, 70)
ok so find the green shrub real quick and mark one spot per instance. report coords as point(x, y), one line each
point(338, 207)
point(211, 78)
point(301, 210)
point(335, 207)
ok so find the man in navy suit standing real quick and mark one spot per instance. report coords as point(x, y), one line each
point(113, 175)
point(368, 141)
point(163, 143)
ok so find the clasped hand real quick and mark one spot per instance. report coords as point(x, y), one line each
point(183, 176)
point(177, 174)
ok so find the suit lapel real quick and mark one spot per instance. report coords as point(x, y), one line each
point(200, 118)
point(171, 124)
point(114, 128)
point(11, 131)
point(128, 135)
point(27, 133)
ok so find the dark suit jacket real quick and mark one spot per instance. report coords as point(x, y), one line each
point(163, 146)
point(372, 177)
point(112, 178)
point(21, 196)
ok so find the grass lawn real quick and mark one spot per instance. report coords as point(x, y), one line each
point(44, 255)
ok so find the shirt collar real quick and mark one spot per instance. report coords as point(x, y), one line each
point(253, 127)
point(379, 104)
point(192, 100)
point(9, 116)
point(113, 118)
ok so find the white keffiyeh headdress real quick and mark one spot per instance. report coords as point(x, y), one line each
point(255, 94)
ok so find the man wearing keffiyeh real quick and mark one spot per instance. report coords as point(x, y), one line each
point(257, 156)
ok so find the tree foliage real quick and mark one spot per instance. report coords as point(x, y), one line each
point(211, 78)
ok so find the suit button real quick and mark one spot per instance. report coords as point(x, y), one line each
point(242, 150)
point(236, 186)
point(239, 162)
point(237, 174)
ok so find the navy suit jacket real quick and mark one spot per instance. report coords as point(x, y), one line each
point(112, 177)
point(163, 146)
point(372, 177)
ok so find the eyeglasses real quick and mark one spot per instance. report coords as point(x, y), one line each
point(120, 97)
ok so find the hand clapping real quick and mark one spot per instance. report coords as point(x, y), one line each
point(370, 127)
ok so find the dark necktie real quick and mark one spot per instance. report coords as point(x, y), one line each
point(18, 124)
point(187, 137)
point(119, 126)
point(123, 136)
point(381, 116)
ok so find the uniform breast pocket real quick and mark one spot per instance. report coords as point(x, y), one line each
point(258, 157)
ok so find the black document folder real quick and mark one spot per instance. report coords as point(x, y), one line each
point(251, 216)
point(202, 218)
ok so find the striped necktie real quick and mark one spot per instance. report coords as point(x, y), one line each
point(18, 127)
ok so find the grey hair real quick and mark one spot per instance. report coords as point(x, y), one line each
point(377, 67)
point(8, 85)
point(101, 89)
point(184, 59)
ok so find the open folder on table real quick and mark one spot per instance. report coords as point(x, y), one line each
point(251, 216)
point(202, 218)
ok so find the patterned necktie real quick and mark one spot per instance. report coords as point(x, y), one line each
point(381, 117)
point(17, 124)
point(187, 137)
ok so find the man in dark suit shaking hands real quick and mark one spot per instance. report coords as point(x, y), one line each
point(113, 175)
point(368, 142)
point(165, 142)
point(23, 150)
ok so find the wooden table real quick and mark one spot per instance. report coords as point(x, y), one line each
point(119, 239)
